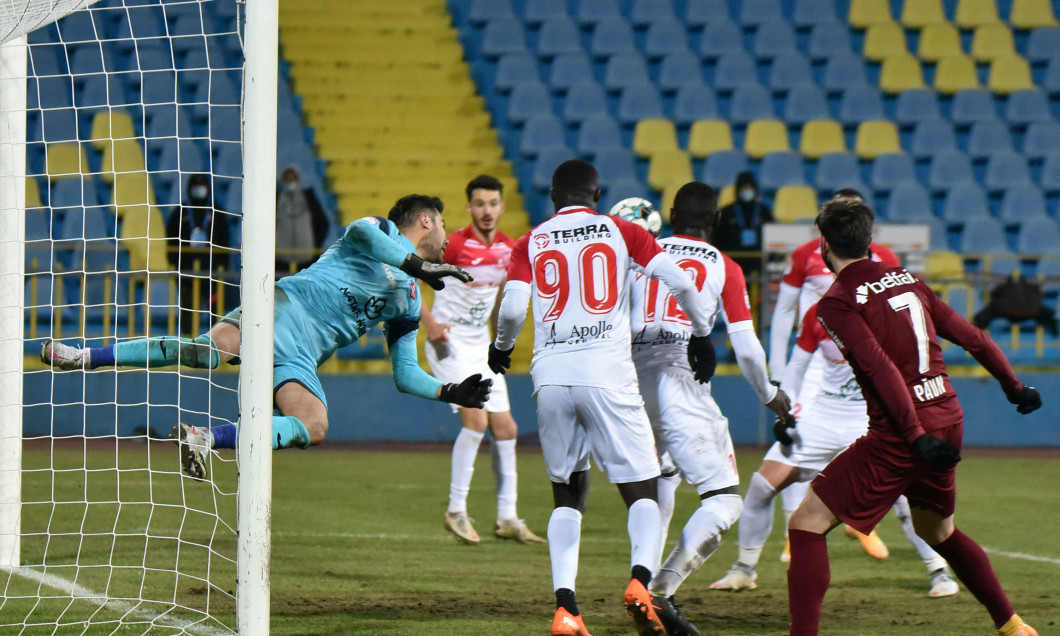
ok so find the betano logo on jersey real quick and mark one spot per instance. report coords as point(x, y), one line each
point(892, 279)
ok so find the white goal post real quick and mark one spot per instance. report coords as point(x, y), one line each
point(99, 529)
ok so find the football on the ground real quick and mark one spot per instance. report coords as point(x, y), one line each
point(639, 211)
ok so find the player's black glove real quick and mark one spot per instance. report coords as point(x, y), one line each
point(783, 428)
point(500, 360)
point(1026, 400)
point(701, 358)
point(433, 273)
point(935, 452)
point(471, 393)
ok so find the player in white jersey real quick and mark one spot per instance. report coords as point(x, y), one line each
point(685, 418)
point(458, 338)
point(832, 422)
point(575, 266)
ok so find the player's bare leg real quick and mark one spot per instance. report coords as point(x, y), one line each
point(808, 574)
point(465, 450)
point(502, 459)
point(972, 567)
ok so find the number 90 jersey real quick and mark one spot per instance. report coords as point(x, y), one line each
point(577, 265)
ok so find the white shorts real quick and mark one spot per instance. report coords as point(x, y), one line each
point(574, 421)
point(690, 427)
point(463, 360)
point(823, 431)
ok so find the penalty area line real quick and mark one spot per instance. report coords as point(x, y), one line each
point(1022, 555)
point(81, 593)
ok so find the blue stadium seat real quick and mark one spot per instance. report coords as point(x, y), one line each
point(1042, 138)
point(972, 105)
point(931, 137)
point(71, 193)
point(514, 69)
point(639, 101)
point(225, 123)
point(584, 100)
point(646, 12)
point(814, 13)
point(1022, 203)
point(989, 137)
point(694, 102)
point(750, 102)
point(948, 168)
point(150, 58)
point(679, 69)
point(79, 27)
point(60, 125)
point(890, 170)
point(720, 168)
point(757, 12)
point(1006, 169)
point(774, 39)
point(780, 169)
point(733, 70)
point(860, 103)
point(590, 12)
point(700, 13)
point(38, 247)
point(1040, 235)
point(837, 170)
point(228, 161)
point(599, 132)
point(220, 90)
point(558, 35)
point(789, 71)
point(940, 240)
point(720, 37)
point(983, 235)
point(53, 92)
point(805, 102)
point(91, 59)
point(539, 132)
point(1043, 45)
point(47, 59)
point(158, 87)
point(964, 201)
point(615, 164)
point(184, 156)
point(501, 37)
point(570, 70)
point(528, 99)
point(914, 106)
point(546, 164)
point(617, 189)
point(611, 35)
point(167, 120)
point(1026, 107)
point(537, 11)
point(481, 12)
point(665, 37)
point(1051, 79)
point(843, 72)
point(625, 69)
point(909, 202)
point(141, 22)
point(829, 39)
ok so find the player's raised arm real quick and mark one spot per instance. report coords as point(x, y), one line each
point(780, 327)
point(410, 378)
point(376, 236)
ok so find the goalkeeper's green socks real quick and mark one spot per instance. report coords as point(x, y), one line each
point(200, 352)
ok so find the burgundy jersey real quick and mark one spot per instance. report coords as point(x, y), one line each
point(886, 323)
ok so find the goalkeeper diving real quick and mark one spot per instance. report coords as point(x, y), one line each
point(364, 278)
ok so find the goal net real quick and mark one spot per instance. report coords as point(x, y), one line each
point(121, 196)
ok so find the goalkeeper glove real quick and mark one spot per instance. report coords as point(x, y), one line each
point(433, 273)
point(783, 428)
point(1027, 400)
point(500, 360)
point(701, 358)
point(472, 393)
point(935, 452)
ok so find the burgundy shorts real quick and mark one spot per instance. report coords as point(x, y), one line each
point(862, 483)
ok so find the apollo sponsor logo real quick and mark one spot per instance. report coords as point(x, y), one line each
point(892, 279)
point(930, 388)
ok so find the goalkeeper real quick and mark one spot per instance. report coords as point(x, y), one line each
point(364, 278)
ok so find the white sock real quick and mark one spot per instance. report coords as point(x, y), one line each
point(932, 560)
point(645, 534)
point(791, 497)
point(564, 541)
point(464, 451)
point(699, 539)
point(502, 455)
point(756, 522)
point(667, 489)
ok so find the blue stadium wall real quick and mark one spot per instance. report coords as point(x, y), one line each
point(368, 408)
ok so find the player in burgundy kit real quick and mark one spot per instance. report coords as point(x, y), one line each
point(885, 323)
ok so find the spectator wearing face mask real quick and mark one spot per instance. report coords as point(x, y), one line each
point(199, 244)
point(301, 224)
point(740, 226)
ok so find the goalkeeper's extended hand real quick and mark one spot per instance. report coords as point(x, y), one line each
point(701, 358)
point(500, 360)
point(935, 452)
point(433, 273)
point(472, 393)
point(1027, 400)
point(783, 428)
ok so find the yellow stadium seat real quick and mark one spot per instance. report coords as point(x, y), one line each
point(974, 13)
point(708, 136)
point(864, 13)
point(110, 125)
point(727, 195)
point(765, 136)
point(991, 42)
point(795, 203)
point(944, 265)
point(668, 167)
point(654, 135)
point(1009, 74)
point(875, 138)
point(33, 199)
point(956, 73)
point(917, 14)
point(131, 189)
point(901, 73)
point(65, 160)
point(666, 202)
point(938, 41)
point(821, 136)
point(883, 40)
point(125, 155)
point(1031, 14)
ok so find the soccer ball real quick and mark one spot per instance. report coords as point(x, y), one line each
point(639, 211)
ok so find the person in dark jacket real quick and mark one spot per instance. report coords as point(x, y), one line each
point(301, 224)
point(740, 227)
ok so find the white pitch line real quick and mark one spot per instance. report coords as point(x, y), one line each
point(1023, 556)
point(82, 593)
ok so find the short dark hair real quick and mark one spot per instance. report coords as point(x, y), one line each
point(847, 226)
point(851, 193)
point(408, 208)
point(484, 182)
point(576, 176)
point(695, 208)
point(746, 178)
